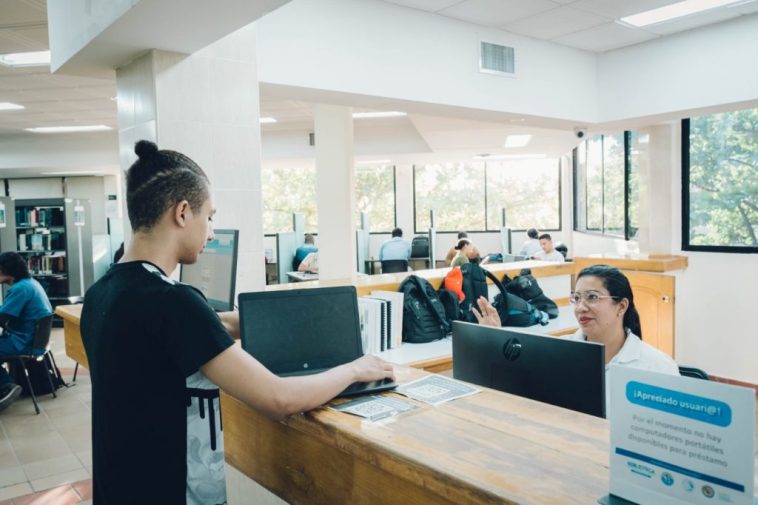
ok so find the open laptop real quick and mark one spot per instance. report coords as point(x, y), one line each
point(304, 332)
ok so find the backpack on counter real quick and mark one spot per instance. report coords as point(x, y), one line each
point(525, 286)
point(424, 318)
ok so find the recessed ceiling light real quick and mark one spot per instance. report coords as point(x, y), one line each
point(68, 129)
point(510, 156)
point(10, 106)
point(374, 162)
point(29, 59)
point(368, 115)
point(517, 140)
point(673, 11)
point(267, 120)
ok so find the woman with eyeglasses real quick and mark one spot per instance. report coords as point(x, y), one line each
point(604, 308)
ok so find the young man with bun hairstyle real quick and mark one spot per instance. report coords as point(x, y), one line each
point(151, 341)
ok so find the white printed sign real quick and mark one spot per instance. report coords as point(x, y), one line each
point(680, 441)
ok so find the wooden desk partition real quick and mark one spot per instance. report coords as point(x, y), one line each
point(488, 448)
point(71, 315)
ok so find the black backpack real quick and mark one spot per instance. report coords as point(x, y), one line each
point(38, 373)
point(525, 286)
point(424, 317)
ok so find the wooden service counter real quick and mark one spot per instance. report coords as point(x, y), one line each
point(653, 283)
point(491, 447)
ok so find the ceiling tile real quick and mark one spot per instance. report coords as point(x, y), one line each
point(605, 37)
point(23, 12)
point(692, 21)
point(497, 13)
point(615, 9)
point(554, 23)
point(426, 5)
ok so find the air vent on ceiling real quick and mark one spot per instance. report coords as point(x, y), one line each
point(497, 59)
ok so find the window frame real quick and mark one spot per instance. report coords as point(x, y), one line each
point(627, 134)
point(485, 202)
point(686, 246)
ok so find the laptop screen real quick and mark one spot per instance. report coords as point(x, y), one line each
point(298, 330)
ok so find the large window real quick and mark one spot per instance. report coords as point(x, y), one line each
point(375, 194)
point(529, 191)
point(601, 185)
point(638, 164)
point(470, 196)
point(288, 190)
point(455, 191)
point(720, 182)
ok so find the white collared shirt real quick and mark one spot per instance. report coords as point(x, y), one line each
point(636, 354)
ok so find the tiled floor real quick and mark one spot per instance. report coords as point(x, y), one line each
point(46, 459)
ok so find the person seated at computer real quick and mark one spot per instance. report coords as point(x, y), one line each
point(308, 247)
point(548, 252)
point(25, 302)
point(309, 263)
point(604, 308)
point(147, 335)
point(453, 251)
point(396, 248)
point(532, 244)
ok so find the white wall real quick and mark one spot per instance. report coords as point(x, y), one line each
point(706, 67)
point(92, 189)
point(36, 188)
point(378, 49)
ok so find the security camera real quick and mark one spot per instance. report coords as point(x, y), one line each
point(580, 133)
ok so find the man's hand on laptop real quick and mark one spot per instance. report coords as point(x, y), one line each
point(370, 368)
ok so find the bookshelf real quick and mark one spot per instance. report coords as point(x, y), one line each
point(54, 236)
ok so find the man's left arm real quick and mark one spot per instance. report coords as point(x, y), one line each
point(231, 321)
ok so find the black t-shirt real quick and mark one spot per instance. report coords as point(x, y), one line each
point(144, 334)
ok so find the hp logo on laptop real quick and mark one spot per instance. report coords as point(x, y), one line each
point(512, 349)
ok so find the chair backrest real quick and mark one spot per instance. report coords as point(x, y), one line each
point(42, 332)
point(391, 266)
point(689, 371)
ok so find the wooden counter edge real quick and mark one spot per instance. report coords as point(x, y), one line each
point(648, 264)
point(72, 313)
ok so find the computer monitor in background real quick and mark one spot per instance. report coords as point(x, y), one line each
point(553, 370)
point(215, 271)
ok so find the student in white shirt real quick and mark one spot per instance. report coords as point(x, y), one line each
point(548, 252)
point(532, 244)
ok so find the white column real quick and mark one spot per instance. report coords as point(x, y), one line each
point(335, 191)
point(205, 105)
point(659, 158)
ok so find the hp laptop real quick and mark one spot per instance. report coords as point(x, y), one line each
point(305, 331)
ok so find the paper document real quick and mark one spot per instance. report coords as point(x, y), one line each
point(376, 407)
point(435, 389)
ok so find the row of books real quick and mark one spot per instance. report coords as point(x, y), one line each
point(381, 315)
point(40, 240)
point(33, 216)
point(47, 264)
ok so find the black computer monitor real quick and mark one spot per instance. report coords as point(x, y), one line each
point(215, 271)
point(553, 370)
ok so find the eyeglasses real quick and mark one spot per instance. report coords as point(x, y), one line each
point(590, 297)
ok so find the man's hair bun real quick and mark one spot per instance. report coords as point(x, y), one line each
point(145, 149)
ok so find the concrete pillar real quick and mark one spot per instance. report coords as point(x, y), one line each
point(206, 106)
point(335, 191)
point(659, 158)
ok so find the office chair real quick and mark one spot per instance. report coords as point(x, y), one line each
point(689, 371)
point(392, 266)
point(40, 352)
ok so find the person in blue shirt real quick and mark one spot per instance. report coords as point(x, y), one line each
point(395, 248)
point(24, 303)
point(304, 250)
